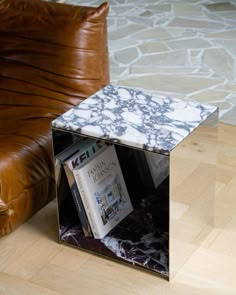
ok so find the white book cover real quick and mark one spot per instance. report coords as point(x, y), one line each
point(103, 191)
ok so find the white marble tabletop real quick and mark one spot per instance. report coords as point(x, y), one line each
point(135, 118)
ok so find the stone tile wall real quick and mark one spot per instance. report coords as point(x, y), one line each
point(185, 48)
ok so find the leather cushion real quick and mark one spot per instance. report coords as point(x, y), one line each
point(51, 54)
point(51, 57)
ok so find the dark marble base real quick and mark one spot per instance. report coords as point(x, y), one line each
point(140, 239)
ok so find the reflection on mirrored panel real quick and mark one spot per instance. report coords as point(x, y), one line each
point(192, 189)
point(142, 238)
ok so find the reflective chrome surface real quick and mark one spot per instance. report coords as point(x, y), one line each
point(192, 189)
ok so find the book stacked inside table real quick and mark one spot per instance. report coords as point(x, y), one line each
point(97, 185)
point(111, 201)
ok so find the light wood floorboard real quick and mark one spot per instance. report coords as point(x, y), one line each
point(33, 262)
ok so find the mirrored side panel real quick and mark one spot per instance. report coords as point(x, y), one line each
point(61, 141)
point(141, 239)
point(192, 190)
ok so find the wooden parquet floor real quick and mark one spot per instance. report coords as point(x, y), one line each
point(32, 262)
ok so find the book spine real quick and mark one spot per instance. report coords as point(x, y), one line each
point(78, 203)
point(81, 211)
point(85, 200)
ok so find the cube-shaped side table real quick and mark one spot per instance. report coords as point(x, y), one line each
point(167, 151)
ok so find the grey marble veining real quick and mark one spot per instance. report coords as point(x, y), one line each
point(134, 118)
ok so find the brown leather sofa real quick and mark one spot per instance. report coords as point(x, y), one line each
point(52, 56)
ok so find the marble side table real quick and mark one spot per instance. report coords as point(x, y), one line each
point(167, 151)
